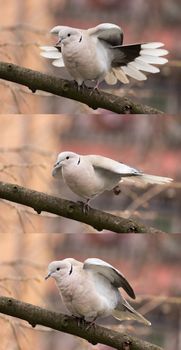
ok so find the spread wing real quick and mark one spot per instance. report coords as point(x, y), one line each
point(111, 33)
point(116, 278)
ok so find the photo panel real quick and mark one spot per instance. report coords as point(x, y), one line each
point(149, 263)
point(26, 25)
point(28, 152)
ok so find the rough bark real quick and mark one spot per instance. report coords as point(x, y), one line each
point(35, 80)
point(40, 201)
point(94, 334)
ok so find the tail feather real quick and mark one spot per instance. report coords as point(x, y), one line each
point(120, 75)
point(138, 57)
point(144, 179)
point(153, 52)
point(128, 315)
point(133, 73)
point(153, 45)
point(146, 67)
point(110, 78)
point(58, 63)
point(124, 311)
point(52, 53)
point(153, 59)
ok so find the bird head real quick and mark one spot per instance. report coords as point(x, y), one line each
point(65, 159)
point(60, 269)
point(66, 35)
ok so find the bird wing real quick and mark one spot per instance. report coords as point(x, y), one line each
point(112, 166)
point(115, 277)
point(111, 33)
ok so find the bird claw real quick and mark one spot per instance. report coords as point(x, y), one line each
point(90, 324)
point(80, 321)
point(95, 89)
point(85, 207)
point(79, 87)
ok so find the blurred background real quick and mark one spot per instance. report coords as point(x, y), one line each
point(29, 146)
point(25, 25)
point(149, 262)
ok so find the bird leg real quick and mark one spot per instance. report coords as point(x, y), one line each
point(80, 320)
point(91, 324)
point(79, 87)
point(85, 206)
point(95, 88)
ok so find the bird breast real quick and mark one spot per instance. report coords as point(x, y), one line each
point(82, 180)
point(86, 60)
point(88, 296)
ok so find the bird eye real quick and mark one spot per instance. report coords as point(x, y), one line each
point(67, 157)
point(68, 34)
point(58, 268)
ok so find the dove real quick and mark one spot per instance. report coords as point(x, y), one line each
point(99, 54)
point(90, 290)
point(90, 175)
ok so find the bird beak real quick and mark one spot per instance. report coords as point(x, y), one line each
point(56, 167)
point(58, 43)
point(55, 30)
point(49, 274)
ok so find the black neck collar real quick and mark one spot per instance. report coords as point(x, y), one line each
point(71, 269)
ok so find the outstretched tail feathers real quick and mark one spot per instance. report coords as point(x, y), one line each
point(136, 58)
point(114, 75)
point(52, 53)
point(125, 311)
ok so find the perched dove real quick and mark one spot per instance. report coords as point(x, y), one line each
point(98, 53)
point(90, 290)
point(90, 175)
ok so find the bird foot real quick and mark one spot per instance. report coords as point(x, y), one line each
point(79, 87)
point(95, 89)
point(80, 320)
point(85, 206)
point(90, 324)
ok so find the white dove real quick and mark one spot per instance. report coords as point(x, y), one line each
point(98, 53)
point(90, 290)
point(90, 175)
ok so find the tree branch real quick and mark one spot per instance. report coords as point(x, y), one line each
point(35, 80)
point(94, 334)
point(40, 201)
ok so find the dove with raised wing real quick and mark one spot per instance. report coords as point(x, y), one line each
point(91, 289)
point(90, 175)
point(98, 53)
